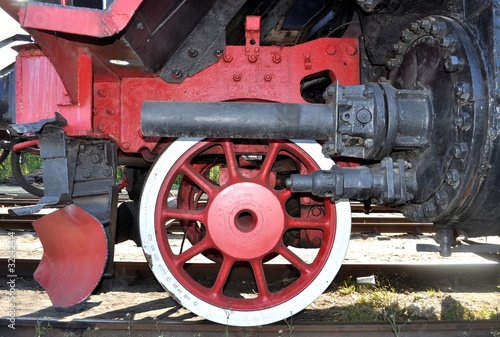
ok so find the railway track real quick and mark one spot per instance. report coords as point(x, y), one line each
point(375, 219)
point(27, 326)
point(139, 269)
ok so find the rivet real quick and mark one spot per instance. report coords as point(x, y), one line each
point(237, 77)
point(110, 112)
point(252, 58)
point(95, 159)
point(331, 50)
point(218, 52)
point(228, 57)
point(351, 50)
point(125, 145)
point(107, 172)
point(102, 93)
point(177, 73)
point(276, 58)
point(316, 211)
point(192, 52)
point(86, 174)
point(268, 77)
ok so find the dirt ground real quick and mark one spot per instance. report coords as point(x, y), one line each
point(137, 299)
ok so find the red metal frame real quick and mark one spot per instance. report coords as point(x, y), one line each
point(75, 80)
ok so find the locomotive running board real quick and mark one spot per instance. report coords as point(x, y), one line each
point(74, 257)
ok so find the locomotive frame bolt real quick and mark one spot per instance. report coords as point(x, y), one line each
point(192, 52)
point(452, 63)
point(276, 58)
point(399, 48)
point(438, 29)
point(441, 198)
point(391, 64)
point(448, 41)
point(452, 177)
point(176, 73)
point(425, 24)
point(463, 91)
point(460, 150)
point(414, 27)
point(430, 209)
point(228, 57)
point(407, 36)
point(463, 121)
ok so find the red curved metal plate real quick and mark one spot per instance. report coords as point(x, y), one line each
point(74, 257)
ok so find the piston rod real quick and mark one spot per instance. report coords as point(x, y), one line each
point(237, 120)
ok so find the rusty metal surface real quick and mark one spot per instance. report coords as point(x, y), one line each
point(70, 234)
point(101, 327)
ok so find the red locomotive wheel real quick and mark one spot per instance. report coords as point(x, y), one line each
point(233, 208)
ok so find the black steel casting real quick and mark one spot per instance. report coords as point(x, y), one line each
point(387, 183)
point(205, 45)
point(375, 119)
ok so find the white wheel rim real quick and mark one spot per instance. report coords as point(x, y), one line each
point(226, 315)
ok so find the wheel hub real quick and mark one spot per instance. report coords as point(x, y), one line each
point(247, 220)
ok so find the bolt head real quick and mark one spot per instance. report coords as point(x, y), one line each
point(430, 210)
point(463, 91)
point(441, 198)
point(452, 63)
point(460, 150)
point(452, 177)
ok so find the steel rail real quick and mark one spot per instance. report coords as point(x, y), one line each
point(27, 326)
point(430, 271)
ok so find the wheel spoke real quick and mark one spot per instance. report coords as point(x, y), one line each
point(231, 163)
point(222, 276)
point(204, 183)
point(291, 223)
point(260, 278)
point(183, 214)
point(296, 261)
point(267, 165)
point(283, 195)
point(197, 249)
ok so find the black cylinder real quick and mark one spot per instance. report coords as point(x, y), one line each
point(237, 120)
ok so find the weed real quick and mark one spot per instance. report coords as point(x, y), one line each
point(41, 330)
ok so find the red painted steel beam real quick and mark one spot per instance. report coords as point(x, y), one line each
point(112, 109)
point(79, 20)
